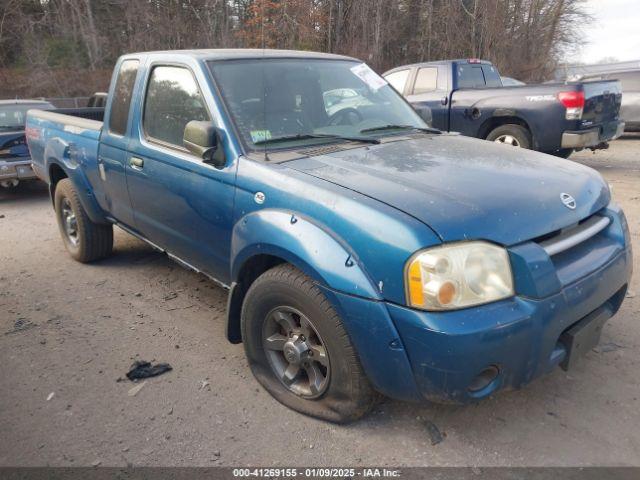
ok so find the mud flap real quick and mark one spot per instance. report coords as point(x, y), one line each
point(584, 335)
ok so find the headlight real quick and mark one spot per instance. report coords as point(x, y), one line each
point(458, 276)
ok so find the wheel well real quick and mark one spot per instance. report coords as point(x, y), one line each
point(250, 271)
point(56, 173)
point(495, 122)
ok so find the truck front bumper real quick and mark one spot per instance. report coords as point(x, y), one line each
point(593, 137)
point(20, 170)
point(465, 355)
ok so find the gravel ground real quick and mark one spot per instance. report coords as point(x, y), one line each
point(68, 332)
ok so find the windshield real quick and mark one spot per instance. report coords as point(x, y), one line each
point(283, 103)
point(15, 116)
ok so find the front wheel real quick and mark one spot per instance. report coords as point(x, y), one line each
point(298, 349)
point(511, 134)
point(85, 240)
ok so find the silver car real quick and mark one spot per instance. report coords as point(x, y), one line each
point(630, 81)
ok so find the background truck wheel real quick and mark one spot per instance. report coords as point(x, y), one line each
point(511, 134)
point(299, 350)
point(85, 241)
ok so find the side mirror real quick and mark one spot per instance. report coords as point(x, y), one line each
point(444, 100)
point(203, 140)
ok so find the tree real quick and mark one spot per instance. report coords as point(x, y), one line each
point(68, 47)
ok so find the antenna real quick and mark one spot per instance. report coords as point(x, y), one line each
point(264, 80)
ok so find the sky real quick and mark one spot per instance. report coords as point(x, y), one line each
point(615, 31)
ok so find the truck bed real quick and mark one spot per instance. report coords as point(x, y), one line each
point(73, 138)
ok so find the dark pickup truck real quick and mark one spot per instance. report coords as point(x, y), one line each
point(468, 96)
point(15, 159)
point(15, 162)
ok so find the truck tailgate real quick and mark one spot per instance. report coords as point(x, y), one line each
point(601, 103)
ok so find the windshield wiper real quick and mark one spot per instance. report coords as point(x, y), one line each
point(304, 136)
point(400, 127)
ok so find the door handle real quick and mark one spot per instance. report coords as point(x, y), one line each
point(136, 163)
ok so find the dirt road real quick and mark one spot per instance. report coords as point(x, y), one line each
point(69, 331)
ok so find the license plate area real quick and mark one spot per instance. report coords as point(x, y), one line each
point(583, 336)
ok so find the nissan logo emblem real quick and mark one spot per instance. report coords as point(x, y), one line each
point(568, 201)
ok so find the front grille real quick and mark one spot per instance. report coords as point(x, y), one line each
point(570, 237)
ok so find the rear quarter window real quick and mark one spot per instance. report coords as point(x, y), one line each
point(122, 96)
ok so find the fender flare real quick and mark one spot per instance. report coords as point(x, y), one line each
point(60, 153)
point(506, 113)
point(309, 246)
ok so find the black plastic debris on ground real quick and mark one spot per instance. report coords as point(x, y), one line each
point(141, 369)
point(434, 433)
point(21, 325)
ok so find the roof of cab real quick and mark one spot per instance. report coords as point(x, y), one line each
point(246, 53)
point(439, 62)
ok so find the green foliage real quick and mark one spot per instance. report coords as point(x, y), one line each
point(66, 53)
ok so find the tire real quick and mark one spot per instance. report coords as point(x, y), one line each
point(511, 132)
point(284, 291)
point(85, 240)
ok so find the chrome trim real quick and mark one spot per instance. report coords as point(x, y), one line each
point(585, 138)
point(136, 234)
point(570, 238)
point(588, 138)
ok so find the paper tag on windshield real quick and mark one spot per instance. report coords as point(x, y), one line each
point(368, 76)
point(260, 135)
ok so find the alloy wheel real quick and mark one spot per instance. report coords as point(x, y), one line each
point(69, 222)
point(296, 353)
point(508, 140)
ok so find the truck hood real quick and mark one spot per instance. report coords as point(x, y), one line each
point(464, 188)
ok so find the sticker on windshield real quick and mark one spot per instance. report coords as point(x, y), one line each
point(368, 76)
point(260, 135)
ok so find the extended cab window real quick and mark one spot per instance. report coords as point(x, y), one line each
point(398, 79)
point(426, 80)
point(122, 96)
point(470, 76)
point(173, 100)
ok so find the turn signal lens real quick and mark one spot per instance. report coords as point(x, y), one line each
point(458, 276)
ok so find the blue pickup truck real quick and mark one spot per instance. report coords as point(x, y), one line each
point(363, 251)
point(468, 96)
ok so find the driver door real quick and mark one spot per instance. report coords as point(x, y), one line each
point(180, 203)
